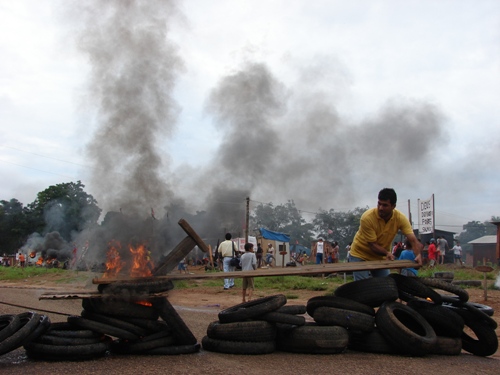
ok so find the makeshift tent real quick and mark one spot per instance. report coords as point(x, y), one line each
point(279, 242)
point(275, 236)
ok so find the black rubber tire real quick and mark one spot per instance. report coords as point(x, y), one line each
point(338, 302)
point(465, 308)
point(101, 328)
point(446, 275)
point(70, 330)
point(453, 300)
point(292, 309)
point(313, 339)
point(446, 286)
point(251, 331)
point(115, 322)
point(447, 346)
point(180, 330)
point(411, 286)
point(29, 322)
point(406, 329)
point(150, 325)
point(252, 309)
point(57, 340)
point(10, 323)
point(66, 353)
point(277, 317)
point(142, 288)
point(444, 321)
point(138, 347)
point(371, 342)
point(119, 308)
point(157, 335)
point(351, 320)
point(486, 343)
point(174, 350)
point(43, 326)
point(238, 347)
point(372, 292)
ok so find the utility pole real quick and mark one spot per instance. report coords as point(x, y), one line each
point(247, 219)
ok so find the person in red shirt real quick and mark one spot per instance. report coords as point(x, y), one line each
point(432, 253)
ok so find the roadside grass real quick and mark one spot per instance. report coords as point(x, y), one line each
point(18, 273)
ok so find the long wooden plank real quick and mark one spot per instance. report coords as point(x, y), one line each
point(191, 233)
point(298, 271)
point(178, 253)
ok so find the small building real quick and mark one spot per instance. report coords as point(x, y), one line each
point(483, 249)
point(279, 241)
point(448, 236)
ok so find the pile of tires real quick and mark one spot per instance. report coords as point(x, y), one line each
point(21, 329)
point(154, 328)
point(68, 342)
point(424, 323)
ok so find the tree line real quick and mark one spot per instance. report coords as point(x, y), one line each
point(68, 209)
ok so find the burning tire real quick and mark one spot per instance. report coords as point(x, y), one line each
point(29, 322)
point(238, 347)
point(371, 342)
point(444, 321)
point(372, 292)
point(10, 324)
point(406, 329)
point(277, 317)
point(251, 331)
point(446, 286)
point(118, 323)
point(313, 339)
point(136, 288)
point(337, 302)
point(252, 309)
point(351, 320)
point(292, 309)
point(119, 308)
point(180, 330)
point(410, 287)
point(101, 328)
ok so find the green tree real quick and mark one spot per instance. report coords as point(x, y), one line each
point(338, 226)
point(475, 229)
point(64, 208)
point(284, 218)
point(14, 225)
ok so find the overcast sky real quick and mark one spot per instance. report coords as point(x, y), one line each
point(403, 94)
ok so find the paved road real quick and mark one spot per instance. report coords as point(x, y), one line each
point(15, 362)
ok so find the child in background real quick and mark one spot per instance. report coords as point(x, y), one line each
point(408, 254)
point(248, 262)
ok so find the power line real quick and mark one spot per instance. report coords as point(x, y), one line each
point(39, 170)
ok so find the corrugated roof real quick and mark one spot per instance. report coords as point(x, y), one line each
point(484, 240)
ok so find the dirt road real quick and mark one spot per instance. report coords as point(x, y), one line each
point(200, 307)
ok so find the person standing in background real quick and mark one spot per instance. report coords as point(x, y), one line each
point(259, 254)
point(442, 247)
point(318, 251)
point(432, 253)
point(248, 262)
point(457, 253)
point(226, 252)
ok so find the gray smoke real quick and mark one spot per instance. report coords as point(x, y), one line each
point(50, 246)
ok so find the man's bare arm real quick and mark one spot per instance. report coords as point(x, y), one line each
point(377, 249)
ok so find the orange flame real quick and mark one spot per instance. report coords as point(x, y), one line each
point(33, 254)
point(39, 262)
point(114, 263)
point(144, 303)
point(140, 264)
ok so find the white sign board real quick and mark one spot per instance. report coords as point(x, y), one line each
point(426, 216)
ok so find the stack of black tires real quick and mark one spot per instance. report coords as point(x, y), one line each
point(392, 315)
point(21, 329)
point(105, 326)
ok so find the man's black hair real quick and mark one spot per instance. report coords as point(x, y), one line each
point(248, 246)
point(388, 194)
point(228, 236)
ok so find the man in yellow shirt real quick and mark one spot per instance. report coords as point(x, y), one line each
point(377, 229)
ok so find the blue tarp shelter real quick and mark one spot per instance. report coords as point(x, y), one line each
point(275, 236)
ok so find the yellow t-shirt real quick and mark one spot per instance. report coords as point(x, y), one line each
point(373, 228)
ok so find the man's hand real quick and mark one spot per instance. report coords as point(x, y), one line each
point(390, 256)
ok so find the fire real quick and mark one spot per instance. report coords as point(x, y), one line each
point(33, 254)
point(144, 303)
point(140, 264)
point(114, 263)
point(39, 262)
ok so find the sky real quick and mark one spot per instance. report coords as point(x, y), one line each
point(320, 102)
